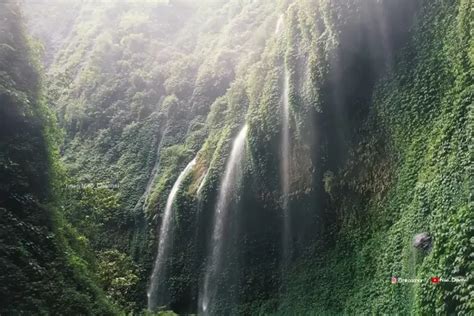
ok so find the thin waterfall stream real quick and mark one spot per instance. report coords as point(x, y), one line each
point(285, 170)
point(156, 290)
point(279, 23)
point(214, 266)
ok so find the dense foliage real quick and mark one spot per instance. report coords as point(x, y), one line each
point(43, 264)
point(380, 97)
point(409, 170)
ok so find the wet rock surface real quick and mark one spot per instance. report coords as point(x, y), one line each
point(422, 241)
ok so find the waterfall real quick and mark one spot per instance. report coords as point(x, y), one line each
point(221, 221)
point(156, 291)
point(202, 184)
point(285, 169)
point(142, 201)
point(279, 24)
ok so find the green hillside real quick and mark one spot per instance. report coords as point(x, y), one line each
point(358, 140)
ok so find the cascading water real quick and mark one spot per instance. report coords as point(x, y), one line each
point(143, 199)
point(202, 184)
point(279, 24)
point(156, 291)
point(285, 159)
point(221, 219)
point(285, 170)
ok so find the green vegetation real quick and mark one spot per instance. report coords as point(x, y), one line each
point(44, 264)
point(409, 171)
point(381, 98)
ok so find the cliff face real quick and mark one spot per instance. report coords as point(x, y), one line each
point(42, 269)
point(359, 118)
point(407, 171)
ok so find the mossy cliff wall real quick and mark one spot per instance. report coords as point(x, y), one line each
point(380, 98)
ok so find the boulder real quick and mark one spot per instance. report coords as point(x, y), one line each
point(422, 241)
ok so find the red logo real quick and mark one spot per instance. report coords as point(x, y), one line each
point(394, 280)
point(435, 280)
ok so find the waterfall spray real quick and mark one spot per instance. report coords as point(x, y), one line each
point(279, 24)
point(156, 291)
point(285, 170)
point(221, 219)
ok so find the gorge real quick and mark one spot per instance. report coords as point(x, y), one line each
point(236, 157)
